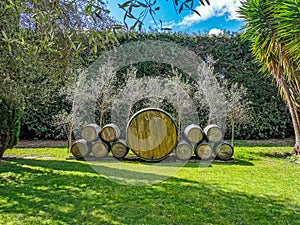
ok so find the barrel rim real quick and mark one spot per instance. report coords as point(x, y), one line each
point(221, 143)
point(154, 109)
point(124, 143)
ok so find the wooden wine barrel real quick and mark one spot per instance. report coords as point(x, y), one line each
point(119, 149)
point(90, 132)
point(100, 149)
point(213, 133)
point(80, 149)
point(151, 134)
point(184, 150)
point(204, 151)
point(109, 132)
point(193, 133)
point(223, 150)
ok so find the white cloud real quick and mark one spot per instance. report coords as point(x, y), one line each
point(216, 8)
point(169, 24)
point(215, 31)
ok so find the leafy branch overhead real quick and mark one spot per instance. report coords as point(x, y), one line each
point(138, 11)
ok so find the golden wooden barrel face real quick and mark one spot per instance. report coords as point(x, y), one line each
point(100, 149)
point(151, 134)
point(108, 134)
point(119, 150)
point(79, 150)
point(204, 151)
point(225, 151)
point(89, 133)
point(184, 151)
point(214, 134)
point(195, 135)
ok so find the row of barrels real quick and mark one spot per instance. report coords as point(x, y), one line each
point(206, 144)
point(151, 135)
point(99, 142)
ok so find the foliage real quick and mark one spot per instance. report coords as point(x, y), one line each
point(40, 43)
point(56, 191)
point(238, 107)
point(137, 11)
point(10, 111)
point(273, 29)
point(234, 62)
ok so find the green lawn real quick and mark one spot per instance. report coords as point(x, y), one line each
point(263, 187)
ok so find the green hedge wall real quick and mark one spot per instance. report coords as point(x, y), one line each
point(234, 61)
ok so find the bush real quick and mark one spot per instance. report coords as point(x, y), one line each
point(234, 62)
point(10, 111)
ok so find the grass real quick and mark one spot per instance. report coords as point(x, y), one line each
point(261, 188)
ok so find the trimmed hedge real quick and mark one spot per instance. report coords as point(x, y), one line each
point(234, 61)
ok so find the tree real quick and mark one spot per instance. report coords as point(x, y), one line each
point(273, 27)
point(238, 107)
point(36, 33)
point(40, 43)
point(139, 10)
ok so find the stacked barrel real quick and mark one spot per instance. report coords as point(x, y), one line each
point(151, 135)
point(207, 143)
point(99, 142)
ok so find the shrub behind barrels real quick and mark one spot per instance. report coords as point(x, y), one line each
point(10, 111)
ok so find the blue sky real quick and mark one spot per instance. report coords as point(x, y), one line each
point(220, 15)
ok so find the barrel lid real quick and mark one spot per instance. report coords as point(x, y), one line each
point(151, 134)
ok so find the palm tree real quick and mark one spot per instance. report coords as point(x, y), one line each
point(273, 28)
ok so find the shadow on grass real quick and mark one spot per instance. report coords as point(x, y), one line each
point(48, 192)
point(278, 155)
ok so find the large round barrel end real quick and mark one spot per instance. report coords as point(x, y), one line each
point(151, 134)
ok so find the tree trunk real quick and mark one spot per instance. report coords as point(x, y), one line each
point(1, 154)
point(70, 137)
point(295, 117)
point(232, 134)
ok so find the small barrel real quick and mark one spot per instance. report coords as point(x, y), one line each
point(213, 133)
point(90, 132)
point(204, 151)
point(110, 132)
point(184, 150)
point(151, 134)
point(119, 149)
point(223, 150)
point(100, 149)
point(80, 149)
point(193, 133)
